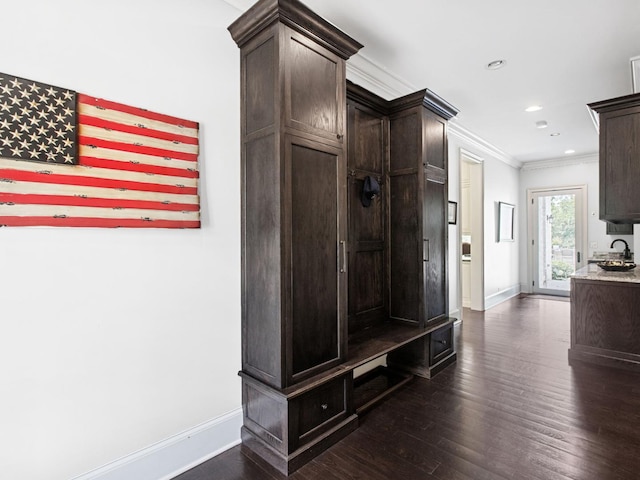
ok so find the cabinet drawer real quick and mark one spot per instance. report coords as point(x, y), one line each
point(441, 345)
point(319, 409)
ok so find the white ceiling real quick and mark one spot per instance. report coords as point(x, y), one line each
point(561, 54)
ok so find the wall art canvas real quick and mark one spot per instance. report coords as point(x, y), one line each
point(71, 160)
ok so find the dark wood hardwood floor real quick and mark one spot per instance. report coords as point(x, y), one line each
point(511, 408)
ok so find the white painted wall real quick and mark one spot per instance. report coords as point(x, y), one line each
point(502, 272)
point(501, 184)
point(455, 252)
point(115, 339)
point(566, 172)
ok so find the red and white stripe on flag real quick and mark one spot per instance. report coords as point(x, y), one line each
point(135, 168)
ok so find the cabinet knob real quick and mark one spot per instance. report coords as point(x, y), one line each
point(443, 342)
point(339, 136)
point(324, 406)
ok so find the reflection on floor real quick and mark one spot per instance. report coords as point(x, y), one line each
point(546, 297)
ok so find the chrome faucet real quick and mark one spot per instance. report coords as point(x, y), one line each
point(627, 252)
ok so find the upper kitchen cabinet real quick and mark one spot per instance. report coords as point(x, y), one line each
point(619, 158)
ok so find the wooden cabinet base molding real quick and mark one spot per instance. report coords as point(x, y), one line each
point(287, 430)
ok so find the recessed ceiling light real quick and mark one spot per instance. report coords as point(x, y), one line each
point(542, 124)
point(533, 108)
point(569, 152)
point(554, 134)
point(496, 64)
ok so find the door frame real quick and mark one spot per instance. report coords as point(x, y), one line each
point(477, 240)
point(582, 192)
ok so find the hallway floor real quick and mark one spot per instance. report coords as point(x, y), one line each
point(510, 408)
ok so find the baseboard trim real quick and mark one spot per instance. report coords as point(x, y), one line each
point(501, 296)
point(455, 313)
point(175, 455)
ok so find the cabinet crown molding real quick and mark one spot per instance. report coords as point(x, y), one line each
point(626, 101)
point(428, 99)
point(297, 16)
point(367, 98)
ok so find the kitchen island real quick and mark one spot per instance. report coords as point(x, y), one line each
point(605, 317)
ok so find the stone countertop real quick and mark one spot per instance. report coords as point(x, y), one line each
point(594, 272)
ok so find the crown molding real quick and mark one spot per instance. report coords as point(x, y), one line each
point(561, 162)
point(459, 131)
point(240, 5)
point(299, 17)
point(368, 74)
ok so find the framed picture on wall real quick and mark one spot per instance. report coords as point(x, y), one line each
point(635, 74)
point(453, 213)
point(505, 222)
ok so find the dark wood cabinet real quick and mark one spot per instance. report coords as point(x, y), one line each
point(619, 158)
point(419, 230)
point(294, 191)
point(294, 230)
point(330, 284)
point(418, 208)
point(619, 228)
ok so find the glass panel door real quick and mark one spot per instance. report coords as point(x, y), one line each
point(557, 239)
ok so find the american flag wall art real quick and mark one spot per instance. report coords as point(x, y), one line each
point(71, 160)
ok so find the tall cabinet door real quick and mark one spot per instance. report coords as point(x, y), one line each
point(406, 239)
point(435, 223)
point(435, 288)
point(316, 280)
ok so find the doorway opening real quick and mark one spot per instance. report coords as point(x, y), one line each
point(557, 237)
point(471, 231)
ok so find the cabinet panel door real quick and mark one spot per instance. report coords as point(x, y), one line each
point(619, 175)
point(315, 92)
point(406, 248)
point(259, 85)
point(318, 254)
point(435, 224)
point(366, 140)
point(261, 262)
point(435, 129)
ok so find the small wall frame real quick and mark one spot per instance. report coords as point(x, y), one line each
point(453, 213)
point(505, 222)
point(635, 74)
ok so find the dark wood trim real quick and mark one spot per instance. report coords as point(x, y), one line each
point(614, 104)
point(272, 460)
point(426, 98)
point(367, 98)
point(299, 17)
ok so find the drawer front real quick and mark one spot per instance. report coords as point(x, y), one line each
point(319, 409)
point(441, 345)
